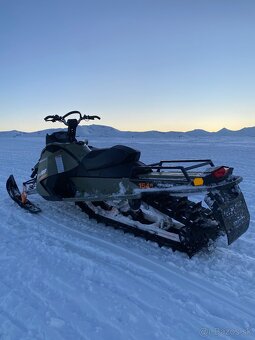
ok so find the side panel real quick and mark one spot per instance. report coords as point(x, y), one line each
point(57, 160)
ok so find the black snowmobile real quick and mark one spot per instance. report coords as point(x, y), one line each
point(153, 201)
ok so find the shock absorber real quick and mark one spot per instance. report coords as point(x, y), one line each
point(134, 204)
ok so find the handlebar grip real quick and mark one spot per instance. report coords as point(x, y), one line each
point(48, 118)
point(91, 117)
point(52, 118)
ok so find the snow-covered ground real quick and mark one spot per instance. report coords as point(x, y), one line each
point(65, 277)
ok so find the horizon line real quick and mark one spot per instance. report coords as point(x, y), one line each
point(170, 131)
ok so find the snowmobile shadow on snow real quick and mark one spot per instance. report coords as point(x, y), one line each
point(153, 201)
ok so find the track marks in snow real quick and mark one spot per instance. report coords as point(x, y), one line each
point(176, 287)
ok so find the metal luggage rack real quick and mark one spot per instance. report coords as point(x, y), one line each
point(184, 170)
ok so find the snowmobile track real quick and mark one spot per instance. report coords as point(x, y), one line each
point(186, 243)
point(108, 222)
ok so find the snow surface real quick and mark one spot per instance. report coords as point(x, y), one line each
point(65, 277)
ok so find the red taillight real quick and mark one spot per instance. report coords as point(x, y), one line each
point(221, 172)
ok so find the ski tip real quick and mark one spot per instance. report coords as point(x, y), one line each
point(11, 186)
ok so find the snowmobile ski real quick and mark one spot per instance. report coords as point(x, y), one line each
point(19, 198)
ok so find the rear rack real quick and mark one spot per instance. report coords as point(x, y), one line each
point(182, 169)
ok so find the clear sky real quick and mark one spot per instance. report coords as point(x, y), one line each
point(140, 64)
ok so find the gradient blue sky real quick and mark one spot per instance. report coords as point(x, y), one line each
point(140, 64)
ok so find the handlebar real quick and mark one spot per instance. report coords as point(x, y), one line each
point(56, 118)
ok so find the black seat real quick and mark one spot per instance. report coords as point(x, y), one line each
point(105, 158)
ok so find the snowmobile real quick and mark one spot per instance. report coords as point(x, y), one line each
point(153, 201)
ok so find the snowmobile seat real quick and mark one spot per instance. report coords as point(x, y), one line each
point(109, 157)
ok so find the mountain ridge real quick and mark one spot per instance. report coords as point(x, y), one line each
point(108, 131)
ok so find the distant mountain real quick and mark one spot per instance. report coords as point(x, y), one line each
point(198, 132)
point(108, 131)
point(245, 132)
point(13, 133)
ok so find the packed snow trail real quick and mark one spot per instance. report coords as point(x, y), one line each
point(65, 277)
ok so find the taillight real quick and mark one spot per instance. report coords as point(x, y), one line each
point(221, 172)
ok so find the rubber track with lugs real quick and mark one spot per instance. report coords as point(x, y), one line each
point(192, 235)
